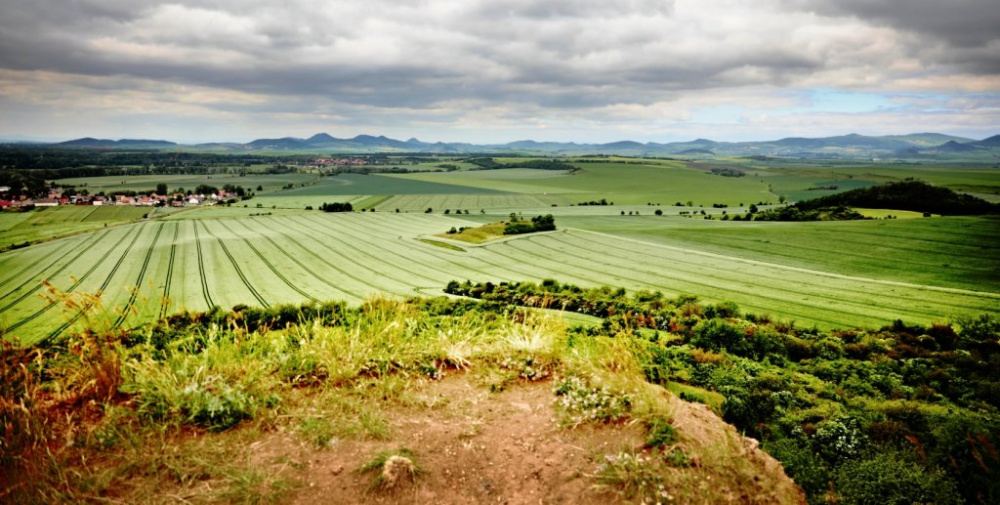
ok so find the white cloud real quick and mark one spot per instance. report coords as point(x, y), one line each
point(636, 66)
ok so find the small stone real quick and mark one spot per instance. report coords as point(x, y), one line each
point(337, 470)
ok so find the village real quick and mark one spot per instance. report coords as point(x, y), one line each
point(56, 197)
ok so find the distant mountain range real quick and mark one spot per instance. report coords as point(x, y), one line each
point(845, 146)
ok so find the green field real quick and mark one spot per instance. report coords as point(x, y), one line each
point(958, 252)
point(267, 182)
point(45, 223)
point(624, 184)
point(193, 264)
point(268, 250)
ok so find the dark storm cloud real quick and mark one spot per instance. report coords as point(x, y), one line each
point(963, 23)
point(965, 33)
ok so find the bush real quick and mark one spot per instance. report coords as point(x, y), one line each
point(839, 439)
point(891, 479)
point(716, 334)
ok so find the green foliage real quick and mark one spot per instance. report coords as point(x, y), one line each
point(717, 334)
point(318, 430)
point(337, 207)
point(821, 402)
point(660, 433)
point(892, 479)
point(210, 389)
point(579, 402)
point(795, 213)
point(839, 439)
point(634, 476)
point(915, 196)
point(538, 223)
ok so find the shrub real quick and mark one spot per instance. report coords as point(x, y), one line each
point(890, 479)
point(716, 334)
point(839, 439)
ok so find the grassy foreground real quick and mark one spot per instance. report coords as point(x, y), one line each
point(260, 405)
point(428, 399)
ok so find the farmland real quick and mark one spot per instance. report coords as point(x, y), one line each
point(260, 303)
point(46, 223)
point(269, 250)
point(194, 264)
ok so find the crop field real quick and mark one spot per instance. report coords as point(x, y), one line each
point(45, 223)
point(268, 182)
point(353, 188)
point(265, 260)
point(622, 183)
point(470, 202)
point(958, 252)
point(268, 250)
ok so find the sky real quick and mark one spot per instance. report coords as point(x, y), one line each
point(497, 71)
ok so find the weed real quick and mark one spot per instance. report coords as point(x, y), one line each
point(254, 487)
point(660, 434)
point(318, 430)
point(633, 476)
point(581, 403)
point(528, 368)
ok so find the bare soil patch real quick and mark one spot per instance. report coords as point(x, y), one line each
point(474, 446)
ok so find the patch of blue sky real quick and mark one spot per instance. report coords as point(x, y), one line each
point(829, 101)
point(847, 102)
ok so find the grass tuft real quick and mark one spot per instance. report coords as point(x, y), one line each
point(391, 469)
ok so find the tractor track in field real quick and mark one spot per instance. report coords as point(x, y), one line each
point(165, 303)
point(201, 268)
point(55, 333)
point(362, 252)
point(275, 270)
point(32, 277)
point(348, 229)
point(239, 271)
point(646, 271)
point(775, 283)
point(361, 281)
point(60, 252)
point(138, 282)
point(302, 265)
point(78, 281)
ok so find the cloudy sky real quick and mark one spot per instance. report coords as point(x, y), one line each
point(500, 70)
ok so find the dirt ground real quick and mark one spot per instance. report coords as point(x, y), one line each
point(474, 446)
